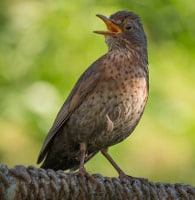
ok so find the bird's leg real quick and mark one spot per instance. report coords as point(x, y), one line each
point(113, 163)
point(82, 171)
point(83, 148)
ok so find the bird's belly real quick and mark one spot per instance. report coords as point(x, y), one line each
point(105, 121)
point(120, 122)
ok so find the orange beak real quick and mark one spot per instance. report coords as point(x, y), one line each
point(112, 28)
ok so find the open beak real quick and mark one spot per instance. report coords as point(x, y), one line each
point(112, 28)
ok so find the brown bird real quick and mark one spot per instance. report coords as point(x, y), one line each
point(107, 101)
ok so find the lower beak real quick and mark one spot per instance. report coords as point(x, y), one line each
point(112, 28)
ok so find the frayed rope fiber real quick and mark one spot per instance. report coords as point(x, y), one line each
point(21, 183)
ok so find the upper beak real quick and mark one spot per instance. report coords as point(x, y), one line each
point(112, 28)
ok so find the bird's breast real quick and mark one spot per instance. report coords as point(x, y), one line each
point(112, 110)
point(125, 100)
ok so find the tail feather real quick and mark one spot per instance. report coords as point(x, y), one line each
point(59, 164)
point(64, 163)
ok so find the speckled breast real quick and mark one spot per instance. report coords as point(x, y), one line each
point(110, 113)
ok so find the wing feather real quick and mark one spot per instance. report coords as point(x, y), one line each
point(82, 88)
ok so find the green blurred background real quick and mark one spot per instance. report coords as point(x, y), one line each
point(46, 45)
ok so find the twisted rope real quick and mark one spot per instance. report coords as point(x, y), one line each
point(20, 183)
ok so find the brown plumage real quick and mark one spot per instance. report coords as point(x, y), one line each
point(107, 101)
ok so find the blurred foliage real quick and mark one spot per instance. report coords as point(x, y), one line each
point(46, 45)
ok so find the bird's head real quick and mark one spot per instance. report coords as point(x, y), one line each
point(124, 30)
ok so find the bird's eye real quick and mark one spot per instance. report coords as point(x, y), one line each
point(128, 26)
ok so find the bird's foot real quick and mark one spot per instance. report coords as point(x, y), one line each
point(122, 175)
point(85, 175)
point(81, 173)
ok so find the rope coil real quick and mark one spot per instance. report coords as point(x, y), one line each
point(21, 183)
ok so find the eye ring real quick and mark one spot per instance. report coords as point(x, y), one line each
point(128, 26)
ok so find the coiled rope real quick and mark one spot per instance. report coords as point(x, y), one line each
point(21, 183)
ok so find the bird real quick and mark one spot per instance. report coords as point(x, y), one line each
point(106, 103)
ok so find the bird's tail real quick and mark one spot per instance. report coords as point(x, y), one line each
point(60, 164)
point(64, 163)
